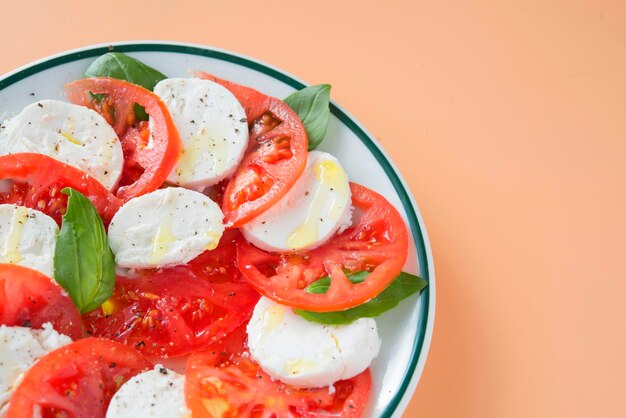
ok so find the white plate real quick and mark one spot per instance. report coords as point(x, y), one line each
point(405, 331)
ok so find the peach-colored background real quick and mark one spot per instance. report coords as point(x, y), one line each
point(508, 120)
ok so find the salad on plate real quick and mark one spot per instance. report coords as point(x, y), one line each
point(178, 247)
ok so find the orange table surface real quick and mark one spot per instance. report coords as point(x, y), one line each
point(508, 120)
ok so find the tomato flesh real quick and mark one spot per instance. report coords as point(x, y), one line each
point(174, 311)
point(39, 179)
point(29, 298)
point(134, 141)
point(275, 159)
point(377, 242)
point(223, 381)
point(158, 158)
point(77, 380)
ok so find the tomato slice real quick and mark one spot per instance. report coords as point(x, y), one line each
point(159, 156)
point(29, 298)
point(276, 156)
point(134, 141)
point(174, 311)
point(39, 179)
point(377, 242)
point(224, 382)
point(77, 380)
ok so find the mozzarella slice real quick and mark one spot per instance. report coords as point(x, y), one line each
point(212, 126)
point(308, 354)
point(27, 238)
point(316, 207)
point(163, 228)
point(72, 134)
point(156, 393)
point(19, 348)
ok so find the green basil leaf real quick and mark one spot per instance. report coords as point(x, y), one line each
point(401, 288)
point(83, 261)
point(97, 97)
point(140, 112)
point(124, 67)
point(321, 286)
point(311, 105)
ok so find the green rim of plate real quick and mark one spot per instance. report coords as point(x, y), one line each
point(369, 142)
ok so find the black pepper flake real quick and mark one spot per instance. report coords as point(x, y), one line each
point(141, 344)
point(39, 104)
point(31, 94)
point(243, 120)
point(231, 293)
point(27, 323)
point(163, 370)
point(112, 365)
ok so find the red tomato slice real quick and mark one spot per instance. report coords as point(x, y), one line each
point(29, 298)
point(39, 179)
point(77, 380)
point(224, 382)
point(160, 155)
point(174, 311)
point(377, 242)
point(276, 156)
point(134, 141)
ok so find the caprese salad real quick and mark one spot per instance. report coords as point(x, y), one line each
point(149, 218)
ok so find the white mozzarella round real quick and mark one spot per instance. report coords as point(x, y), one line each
point(27, 238)
point(157, 393)
point(166, 227)
point(316, 207)
point(307, 354)
point(72, 134)
point(212, 126)
point(20, 347)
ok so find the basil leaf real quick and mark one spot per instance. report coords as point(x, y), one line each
point(124, 67)
point(83, 261)
point(401, 288)
point(311, 105)
point(321, 286)
point(97, 97)
point(140, 112)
